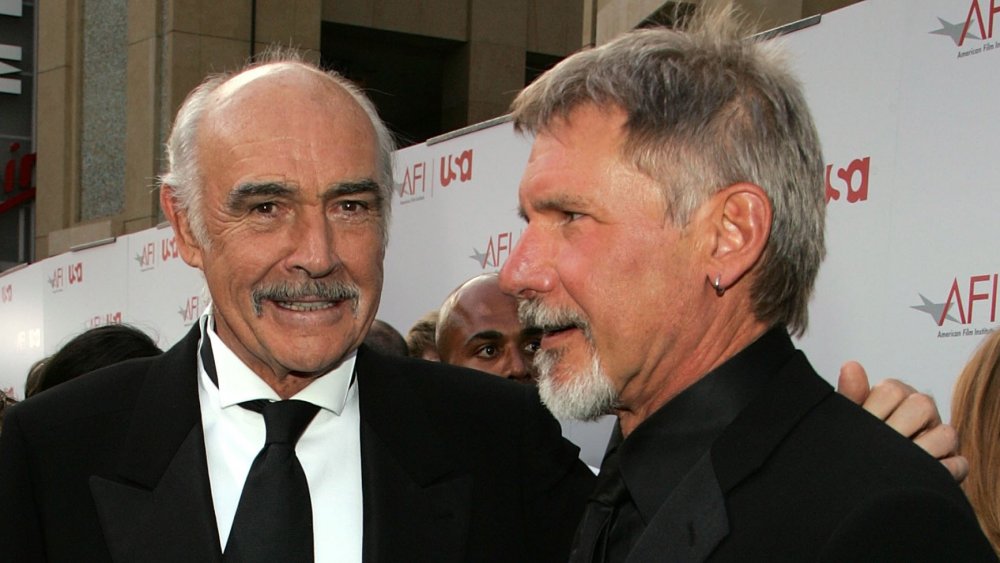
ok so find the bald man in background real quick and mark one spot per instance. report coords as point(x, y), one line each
point(478, 328)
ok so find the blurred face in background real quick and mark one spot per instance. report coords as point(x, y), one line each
point(479, 328)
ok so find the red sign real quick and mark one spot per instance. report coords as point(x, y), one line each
point(105, 319)
point(456, 167)
point(17, 179)
point(981, 288)
point(854, 178)
point(985, 31)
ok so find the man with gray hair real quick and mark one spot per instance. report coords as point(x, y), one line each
point(675, 216)
point(270, 432)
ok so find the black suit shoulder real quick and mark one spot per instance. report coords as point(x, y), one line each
point(100, 393)
point(907, 524)
point(528, 483)
point(482, 412)
point(459, 400)
point(842, 485)
point(50, 446)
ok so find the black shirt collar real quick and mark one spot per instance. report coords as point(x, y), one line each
point(663, 448)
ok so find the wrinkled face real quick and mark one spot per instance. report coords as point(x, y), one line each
point(291, 208)
point(601, 268)
point(482, 331)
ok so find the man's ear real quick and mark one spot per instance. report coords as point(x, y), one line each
point(187, 244)
point(737, 227)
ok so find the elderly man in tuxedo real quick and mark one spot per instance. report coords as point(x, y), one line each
point(675, 217)
point(269, 433)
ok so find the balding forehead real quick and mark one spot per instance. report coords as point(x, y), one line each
point(280, 71)
point(253, 97)
point(484, 297)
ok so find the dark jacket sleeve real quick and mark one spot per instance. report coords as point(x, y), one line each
point(908, 525)
point(556, 497)
point(20, 528)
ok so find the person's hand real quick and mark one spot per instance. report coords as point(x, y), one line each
point(912, 414)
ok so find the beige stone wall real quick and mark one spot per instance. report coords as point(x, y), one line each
point(142, 110)
point(810, 7)
point(484, 75)
point(57, 106)
point(615, 17)
point(447, 19)
point(171, 46)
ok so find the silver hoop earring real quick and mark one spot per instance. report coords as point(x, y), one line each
point(719, 290)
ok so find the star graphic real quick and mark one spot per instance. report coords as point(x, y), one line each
point(138, 259)
point(932, 309)
point(478, 257)
point(953, 30)
point(183, 312)
point(52, 281)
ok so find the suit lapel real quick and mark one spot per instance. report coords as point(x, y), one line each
point(157, 505)
point(416, 493)
point(693, 520)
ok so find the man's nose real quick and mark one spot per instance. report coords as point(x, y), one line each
point(527, 270)
point(515, 365)
point(313, 245)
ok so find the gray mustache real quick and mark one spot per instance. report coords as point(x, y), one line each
point(532, 313)
point(322, 290)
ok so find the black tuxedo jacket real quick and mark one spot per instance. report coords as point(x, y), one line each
point(456, 466)
point(803, 474)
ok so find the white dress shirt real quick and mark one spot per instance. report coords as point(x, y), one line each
point(329, 449)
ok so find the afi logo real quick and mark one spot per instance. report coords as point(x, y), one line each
point(7, 294)
point(57, 280)
point(967, 300)
point(146, 258)
point(168, 249)
point(459, 167)
point(190, 310)
point(497, 251)
point(854, 178)
point(414, 180)
point(75, 273)
point(976, 14)
point(106, 319)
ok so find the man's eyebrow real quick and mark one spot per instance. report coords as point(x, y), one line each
point(256, 190)
point(560, 202)
point(485, 335)
point(354, 187)
point(366, 186)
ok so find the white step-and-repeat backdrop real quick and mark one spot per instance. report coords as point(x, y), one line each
point(905, 96)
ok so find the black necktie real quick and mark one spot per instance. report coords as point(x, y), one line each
point(593, 533)
point(273, 520)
